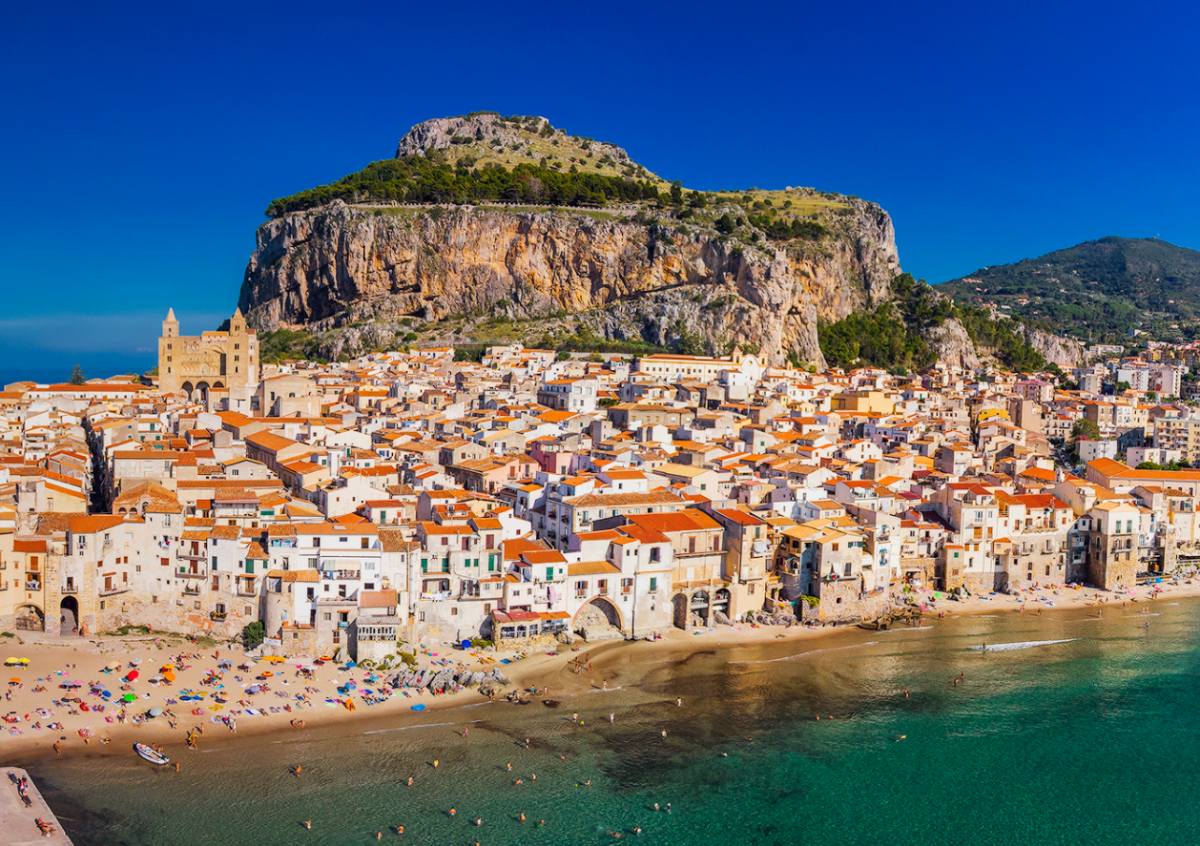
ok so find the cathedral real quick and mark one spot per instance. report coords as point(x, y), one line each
point(220, 368)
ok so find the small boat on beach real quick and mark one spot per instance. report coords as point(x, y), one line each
point(151, 755)
point(550, 703)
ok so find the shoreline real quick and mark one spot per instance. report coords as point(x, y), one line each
point(609, 659)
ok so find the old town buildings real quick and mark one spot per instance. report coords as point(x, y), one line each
point(358, 505)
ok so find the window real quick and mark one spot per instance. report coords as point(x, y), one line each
point(549, 574)
point(653, 584)
point(366, 543)
point(626, 586)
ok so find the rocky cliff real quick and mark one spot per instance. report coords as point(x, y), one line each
point(622, 276)
point(1065, 352)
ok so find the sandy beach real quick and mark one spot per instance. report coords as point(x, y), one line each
point(58, 696)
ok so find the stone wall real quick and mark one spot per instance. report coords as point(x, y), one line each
point(842, 601)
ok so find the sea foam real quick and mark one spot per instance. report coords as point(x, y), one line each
point(1025, 644)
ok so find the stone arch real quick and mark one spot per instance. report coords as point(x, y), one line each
point(187, 388)
point(218, 384)
point(598, 612)
point(680, 610)
point(30, 618)
point(68, 610)
point(720, 601)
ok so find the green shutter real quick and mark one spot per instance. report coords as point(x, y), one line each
point(653, 584)
point(549, 574)
point(424, 565)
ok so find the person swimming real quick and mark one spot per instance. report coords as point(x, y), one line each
point(308, 824)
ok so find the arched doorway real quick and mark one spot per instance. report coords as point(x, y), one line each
point(721, 601)
point(599, 618)
point(68, 611)
point(31, 619)
point(680, 616)
point(201, 392)
point(699, 605)
point(187, 388)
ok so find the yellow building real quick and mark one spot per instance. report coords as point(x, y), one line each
point(863, 402)
point(210, 367)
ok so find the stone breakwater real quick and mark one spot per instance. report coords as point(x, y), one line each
point(19, 815)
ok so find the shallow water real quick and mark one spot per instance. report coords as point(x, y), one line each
point(1067, 729)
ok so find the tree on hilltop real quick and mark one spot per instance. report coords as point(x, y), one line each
point(77, 377)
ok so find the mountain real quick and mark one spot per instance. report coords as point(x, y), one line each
point(1099, 290)
point(485, 229)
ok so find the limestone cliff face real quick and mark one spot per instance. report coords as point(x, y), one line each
point(953, 345)
point(1065, 352)
point(623, 279)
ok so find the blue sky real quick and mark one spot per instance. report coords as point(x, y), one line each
point(142, 141)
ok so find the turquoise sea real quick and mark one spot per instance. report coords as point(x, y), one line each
point(1069, 729)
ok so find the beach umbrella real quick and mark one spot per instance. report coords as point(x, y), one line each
point(133, 674)
point(24, 661)
point(11, 662)
point(114, 665)
point(156, 712)
point(129, 697)
point(166, 667)
point(135, 661)
point(14, 681)
point(169, 676)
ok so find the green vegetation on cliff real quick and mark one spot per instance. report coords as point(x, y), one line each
point(1100, 290)
point(893, 335)
point(433, 179)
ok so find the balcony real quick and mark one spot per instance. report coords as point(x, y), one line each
point(217, 616)
point(190, 556)
point(191, 590)
point(189, 574)
point(33, 585)
point(344, 575)
point(246, 592)
point(69, 589)
point(115, 589)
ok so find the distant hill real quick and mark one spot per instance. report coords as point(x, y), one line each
point(1099, 290)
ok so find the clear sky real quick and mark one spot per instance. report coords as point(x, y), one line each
point(141, 142)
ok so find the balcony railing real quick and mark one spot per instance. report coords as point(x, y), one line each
point(188, 574)
point(191, 590)
point(190, 556)
point(109, 591)
point(33, 586)
point(69, 589)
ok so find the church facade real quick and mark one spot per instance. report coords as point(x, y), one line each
point(220, 368)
